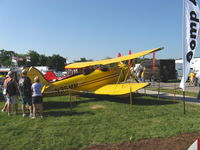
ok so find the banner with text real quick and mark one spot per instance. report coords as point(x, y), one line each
point(190, 36)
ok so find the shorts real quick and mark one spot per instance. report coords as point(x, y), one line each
point(191, 79)
point(4, 96)
point(26, 100)
point(12, 99)
point(37, 99)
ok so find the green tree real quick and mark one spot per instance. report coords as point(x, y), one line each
point(42, 60)
point(56, 62)
point(6, 57)
point(82, 60)
point(34, 58)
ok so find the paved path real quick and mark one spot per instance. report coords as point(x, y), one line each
point(172, 96)
point(176, 85)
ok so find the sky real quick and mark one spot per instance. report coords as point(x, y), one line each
point(94, 29)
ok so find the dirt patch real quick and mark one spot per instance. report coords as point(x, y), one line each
point(97, 106)
point(180, 142)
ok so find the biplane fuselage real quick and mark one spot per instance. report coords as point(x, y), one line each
point(81, 82)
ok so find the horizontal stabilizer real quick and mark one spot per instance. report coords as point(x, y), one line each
point(120, 89)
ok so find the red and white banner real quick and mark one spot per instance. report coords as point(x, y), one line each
point(190, 35)
point(195, 145)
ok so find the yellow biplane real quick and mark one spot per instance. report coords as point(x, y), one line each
point(104, 77)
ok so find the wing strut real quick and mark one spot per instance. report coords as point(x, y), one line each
point(122, 68)
point(128, 72)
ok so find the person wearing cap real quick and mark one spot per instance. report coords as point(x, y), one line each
point(192, 78)
point(37, 97)
point(25, 93)
point(4, 93)
point(11, 92)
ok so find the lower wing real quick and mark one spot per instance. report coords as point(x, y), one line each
point(120, 89)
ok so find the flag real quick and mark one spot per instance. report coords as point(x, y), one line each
point(190, 34)
point(28, 58)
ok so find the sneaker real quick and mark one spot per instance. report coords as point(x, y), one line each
point(31, 115)
point(9, 114)
point(24, 115)
point(2, 110)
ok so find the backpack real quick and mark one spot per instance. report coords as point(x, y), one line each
point(11, 88)
point(25, 86)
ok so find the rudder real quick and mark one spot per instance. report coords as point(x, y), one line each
point(32, 72)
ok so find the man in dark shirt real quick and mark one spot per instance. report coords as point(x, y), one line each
point(25, 93)
point(11, 92)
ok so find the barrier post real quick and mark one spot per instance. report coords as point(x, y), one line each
point(131, 100)
point(159, 90)
point(174, 92)
point(183, 102)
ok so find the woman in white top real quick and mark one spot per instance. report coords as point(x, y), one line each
point(37, 98)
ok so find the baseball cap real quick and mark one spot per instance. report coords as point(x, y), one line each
point(10, 73)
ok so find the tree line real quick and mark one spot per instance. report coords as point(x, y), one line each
point(55, 61)
point(32, 58)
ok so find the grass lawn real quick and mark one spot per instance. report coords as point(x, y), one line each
point(96, 120)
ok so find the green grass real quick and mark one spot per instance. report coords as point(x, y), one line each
point(83, 126)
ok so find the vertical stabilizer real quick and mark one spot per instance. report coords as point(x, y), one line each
point(32, 72)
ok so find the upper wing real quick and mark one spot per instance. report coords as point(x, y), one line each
point(112, 60)
point(120, 89)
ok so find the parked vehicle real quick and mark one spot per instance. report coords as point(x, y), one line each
point(164, 70)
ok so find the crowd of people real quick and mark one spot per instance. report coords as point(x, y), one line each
point(30, 95)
